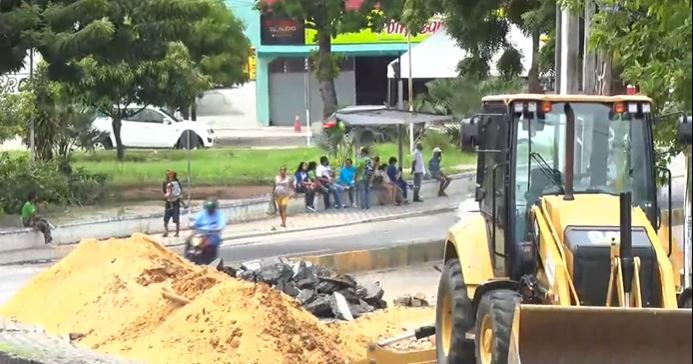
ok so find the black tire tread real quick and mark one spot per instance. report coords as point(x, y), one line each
point(463, 319)
point(500, 305)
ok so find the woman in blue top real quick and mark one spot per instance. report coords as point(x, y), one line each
point(347, 176)
point(437, 173)
point(303, 184)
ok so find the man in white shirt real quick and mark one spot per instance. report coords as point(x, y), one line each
point(418, 170)
point(324, 173)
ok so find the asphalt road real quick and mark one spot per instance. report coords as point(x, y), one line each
point(330, 240)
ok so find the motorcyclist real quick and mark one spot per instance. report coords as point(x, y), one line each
point(209, 222)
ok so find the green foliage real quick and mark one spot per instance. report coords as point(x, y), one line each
point(54, 182)
point(14, 112)
point(651, 41)
point(509, 64)
point(60, 126)
point(110, 54)
point(481, 27)
point(18, 19)
point(218, 46)
point(461, 97)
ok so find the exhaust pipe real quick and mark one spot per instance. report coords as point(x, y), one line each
point(626, 246)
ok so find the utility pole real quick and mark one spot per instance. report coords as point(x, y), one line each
point(411, 94)
point(589, 63)
point(32, 138)
point(306, 92)
point(557, 52)
point(569, 53)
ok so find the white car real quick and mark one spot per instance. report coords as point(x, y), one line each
point(153, 127)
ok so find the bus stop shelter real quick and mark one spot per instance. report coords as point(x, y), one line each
point(359, 119)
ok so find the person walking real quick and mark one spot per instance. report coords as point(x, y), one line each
point(172, 194)
point(282, 193)
point(364, 176)
point(417, 170)
point(436, 172)
point(31, 218)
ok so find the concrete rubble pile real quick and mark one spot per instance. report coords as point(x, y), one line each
point(321, 291)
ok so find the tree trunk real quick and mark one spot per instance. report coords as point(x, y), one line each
point(533, 73)
point(193, 110)
point(120, 149)
point(325, 74)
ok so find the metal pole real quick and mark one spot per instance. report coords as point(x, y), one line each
point(569, 52)
point(557, 52)
point(411, 93)
point(306, 91)
point(189, 155)
point(32, 131)
point(687, 201)
point(589, 62)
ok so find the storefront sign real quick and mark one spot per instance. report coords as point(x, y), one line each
point(393, 32)
point(251, 66)
point(276, 30)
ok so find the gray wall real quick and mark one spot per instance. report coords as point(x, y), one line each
point(286, 92)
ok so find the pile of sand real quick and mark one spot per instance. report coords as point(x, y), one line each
point(111, 292)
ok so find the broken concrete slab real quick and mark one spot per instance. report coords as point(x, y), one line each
point(340, 307)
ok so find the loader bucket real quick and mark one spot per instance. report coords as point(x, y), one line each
point(574, 335)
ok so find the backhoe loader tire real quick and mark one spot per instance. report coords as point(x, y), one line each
point(453, 313)
point(496, 311)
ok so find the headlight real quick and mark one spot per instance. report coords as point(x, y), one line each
point(211, 131)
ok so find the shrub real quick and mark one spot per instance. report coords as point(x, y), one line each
point(53, 181)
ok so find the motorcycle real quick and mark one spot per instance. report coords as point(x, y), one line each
point(199, 249)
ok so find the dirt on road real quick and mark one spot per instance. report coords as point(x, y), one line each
point(136, 299)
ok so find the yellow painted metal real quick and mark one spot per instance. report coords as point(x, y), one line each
point(379, 355)
point(576, 335)
point(604, 212)
point(554, 270)
point(566, 98)
point(468, 239)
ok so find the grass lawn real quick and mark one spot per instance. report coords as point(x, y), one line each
point(225, 166)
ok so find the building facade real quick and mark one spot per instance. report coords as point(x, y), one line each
point(282, 86)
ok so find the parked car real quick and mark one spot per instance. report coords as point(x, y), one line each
point(153, 127)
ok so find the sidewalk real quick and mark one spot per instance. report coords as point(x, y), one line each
point(268, 226)
point(330, 218)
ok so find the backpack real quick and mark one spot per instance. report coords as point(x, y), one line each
point(368, 169)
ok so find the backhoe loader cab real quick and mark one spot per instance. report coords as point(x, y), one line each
point(565, 246)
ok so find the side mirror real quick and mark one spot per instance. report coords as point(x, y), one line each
point(470, 134)
point(685, 129)
point(479, 193)
point(168, 121)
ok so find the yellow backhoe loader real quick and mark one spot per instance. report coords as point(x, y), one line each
point(562, 262)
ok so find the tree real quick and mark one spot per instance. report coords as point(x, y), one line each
point(111, 54)
point(218, 47)
point(330, 18)
point(650, 41)
point(18, 20)
point(481, 28)
point(509, 64)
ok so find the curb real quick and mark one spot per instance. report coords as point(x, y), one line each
point(361, 221)
point(399, 255)
point(258, 234)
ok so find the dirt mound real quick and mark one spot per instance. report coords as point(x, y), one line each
point(112, 292)
point(388, 323)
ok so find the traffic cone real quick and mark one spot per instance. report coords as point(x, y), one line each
point(297, 124)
